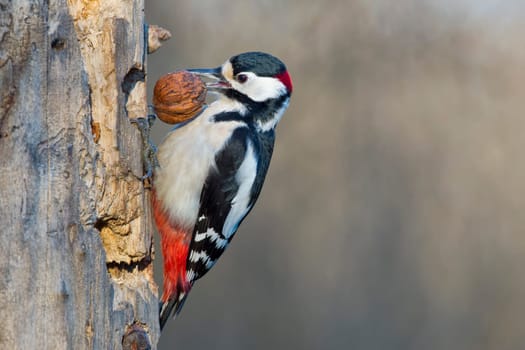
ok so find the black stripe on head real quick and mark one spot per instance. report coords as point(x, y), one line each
point(260, 63)
point(258, 111)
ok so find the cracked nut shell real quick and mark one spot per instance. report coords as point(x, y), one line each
point(178, 96)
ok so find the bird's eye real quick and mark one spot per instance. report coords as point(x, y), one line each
point(241, 78)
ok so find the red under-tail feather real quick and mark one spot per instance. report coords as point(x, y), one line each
point(175, 243)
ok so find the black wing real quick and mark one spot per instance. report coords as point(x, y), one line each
point(220, 188)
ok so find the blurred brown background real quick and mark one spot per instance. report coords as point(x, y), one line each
point(393, 212)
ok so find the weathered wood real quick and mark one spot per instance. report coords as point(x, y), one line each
point(156, 36)
point(76, 243)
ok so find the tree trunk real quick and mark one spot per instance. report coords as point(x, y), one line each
point(76, 246)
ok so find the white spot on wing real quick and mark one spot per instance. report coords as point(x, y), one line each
point(199, 236)
point(190, 275)
point(196, 256)
point(245, 178)
point(220, 242)
point(213, 237)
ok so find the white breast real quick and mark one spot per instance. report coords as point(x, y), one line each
point(185, 157)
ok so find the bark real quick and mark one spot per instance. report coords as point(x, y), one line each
point(76, 241)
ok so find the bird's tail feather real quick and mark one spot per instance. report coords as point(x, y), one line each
point(171, 306)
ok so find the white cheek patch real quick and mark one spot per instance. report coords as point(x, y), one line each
point(260, 88)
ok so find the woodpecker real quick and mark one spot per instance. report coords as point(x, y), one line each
point(211, 169)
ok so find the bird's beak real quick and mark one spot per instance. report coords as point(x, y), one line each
point(217, 83)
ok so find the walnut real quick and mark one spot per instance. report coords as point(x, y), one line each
point(178, 96)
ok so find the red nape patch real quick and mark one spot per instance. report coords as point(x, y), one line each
point(175, 243)
point(285, 78)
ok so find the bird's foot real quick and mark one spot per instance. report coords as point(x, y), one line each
point(149, 150)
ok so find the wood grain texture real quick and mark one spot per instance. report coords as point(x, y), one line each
point(75, 268)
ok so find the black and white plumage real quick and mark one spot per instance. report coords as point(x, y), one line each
point(212, 168)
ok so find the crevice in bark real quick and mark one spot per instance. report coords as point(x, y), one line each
point(58, 44)
point(136, 338)
point(140, 265)
point(133, 76)
point(110, 230)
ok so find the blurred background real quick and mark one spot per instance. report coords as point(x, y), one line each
point(393, 212)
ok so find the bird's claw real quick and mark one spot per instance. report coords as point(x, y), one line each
point(149, 150)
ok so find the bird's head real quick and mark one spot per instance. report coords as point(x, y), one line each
point(258, 76)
